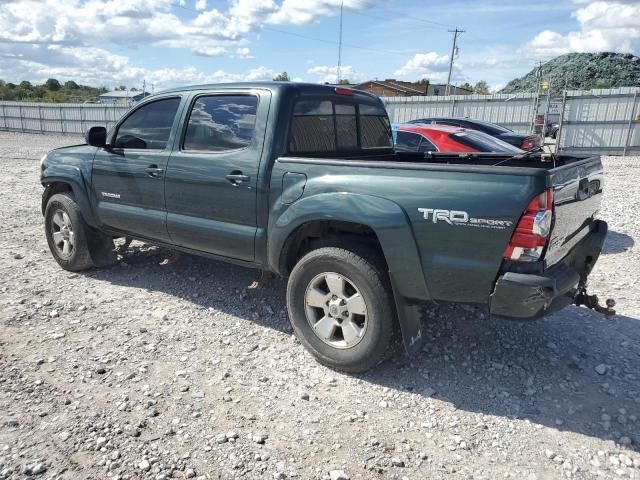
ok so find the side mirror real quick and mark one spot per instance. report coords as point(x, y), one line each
point(96, 137)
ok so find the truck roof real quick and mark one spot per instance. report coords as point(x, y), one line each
point(301, 87)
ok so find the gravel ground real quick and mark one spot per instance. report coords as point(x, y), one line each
point(179, 371)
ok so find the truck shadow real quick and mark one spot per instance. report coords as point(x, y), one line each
point(617, 242)
point(544, 372)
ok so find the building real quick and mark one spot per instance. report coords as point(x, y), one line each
point(398, 88)
point(123, 97)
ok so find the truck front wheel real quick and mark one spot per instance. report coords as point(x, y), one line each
point(67, 233)
point(341, 308)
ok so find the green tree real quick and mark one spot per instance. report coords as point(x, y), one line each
point(481, 88)
point(53, 85)
point(344, 81)
point(467, 86)
point(71, 85)
point(282, 77)
point(26, 85)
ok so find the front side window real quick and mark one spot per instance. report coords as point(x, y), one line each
point(221, 122)
point(148, 127)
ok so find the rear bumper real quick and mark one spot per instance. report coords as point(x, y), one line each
point(526, 296)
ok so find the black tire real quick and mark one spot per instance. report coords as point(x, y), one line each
point(78, 256)
point(365, 270)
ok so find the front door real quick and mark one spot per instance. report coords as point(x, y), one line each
point(212, 175)
point(128, 176)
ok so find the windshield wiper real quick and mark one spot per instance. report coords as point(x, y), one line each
point(521, 156)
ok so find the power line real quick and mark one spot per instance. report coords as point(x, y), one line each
point(401, 15)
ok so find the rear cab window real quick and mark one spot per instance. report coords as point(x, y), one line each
point(334, 125)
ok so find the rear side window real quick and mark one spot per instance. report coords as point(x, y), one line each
point(148, 127)
point(221, 122)
point(413, 142)
point(427, 146)
point(407, 141)
point(328, 126)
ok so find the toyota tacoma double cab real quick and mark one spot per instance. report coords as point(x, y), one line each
point(302, 181)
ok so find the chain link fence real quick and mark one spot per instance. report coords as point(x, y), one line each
point(61, 118)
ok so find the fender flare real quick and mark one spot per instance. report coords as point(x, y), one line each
point(73, 177)
point(392, 227)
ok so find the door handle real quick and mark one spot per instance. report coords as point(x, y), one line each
point(154, 171)
point(237, 177)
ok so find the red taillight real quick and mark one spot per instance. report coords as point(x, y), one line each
point(343, 91)
point(529, 143)
point(532, 232)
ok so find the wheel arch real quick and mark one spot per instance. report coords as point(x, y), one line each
point(383, 224)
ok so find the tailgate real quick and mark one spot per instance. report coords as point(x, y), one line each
point(577, 193)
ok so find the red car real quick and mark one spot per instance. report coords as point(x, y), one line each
point(445, 138)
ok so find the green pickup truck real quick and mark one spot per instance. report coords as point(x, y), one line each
point(302, 181)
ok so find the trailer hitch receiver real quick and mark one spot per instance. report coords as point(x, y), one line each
point(592, 302)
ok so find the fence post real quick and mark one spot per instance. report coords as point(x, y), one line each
point(40, 117)
point(564, 104)
point(61, 120)
point(627, 142)
point(21, 122)
point(106, 121)
point(4, 117)
point(82, 119)
point(453, 106)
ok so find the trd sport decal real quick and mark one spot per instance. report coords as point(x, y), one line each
point(459, 217)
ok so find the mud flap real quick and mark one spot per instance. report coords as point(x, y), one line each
point(409, 319)
point(101, 249)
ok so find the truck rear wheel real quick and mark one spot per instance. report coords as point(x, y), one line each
point(341, 308)
point(67, 233)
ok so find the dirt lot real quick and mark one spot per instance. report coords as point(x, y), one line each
point(180, 371)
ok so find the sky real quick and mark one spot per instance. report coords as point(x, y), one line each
point(168, 43)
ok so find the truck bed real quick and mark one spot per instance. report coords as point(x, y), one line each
point(460, 261)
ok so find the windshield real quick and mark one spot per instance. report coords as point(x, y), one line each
point(484, 142)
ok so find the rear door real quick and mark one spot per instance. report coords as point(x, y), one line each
point(212, 176)
point(128, 176)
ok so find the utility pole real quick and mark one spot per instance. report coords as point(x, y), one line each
point(340, 42)
point(456, 33)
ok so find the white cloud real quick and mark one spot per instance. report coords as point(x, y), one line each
point(604, 26)
point(243, 52)
point(210, 51)
point(329, 74)
point(135, 23)
point(96, 66)
point(429, 65)
point(42, 38)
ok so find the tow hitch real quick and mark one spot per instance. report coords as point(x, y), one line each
point(592, 302)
